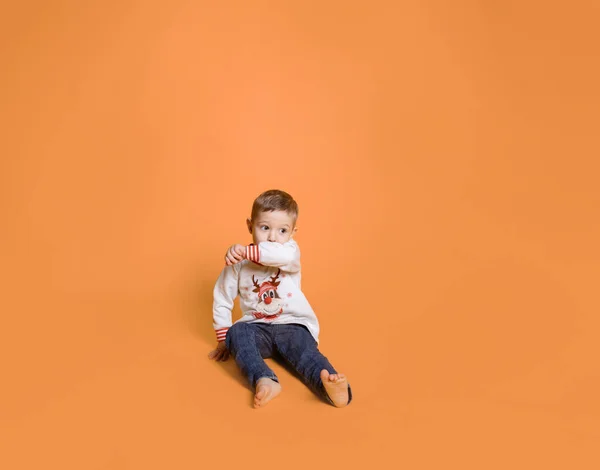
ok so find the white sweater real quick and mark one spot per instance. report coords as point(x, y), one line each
point(268, 283)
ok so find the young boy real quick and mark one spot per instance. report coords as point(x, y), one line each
point(277, 319)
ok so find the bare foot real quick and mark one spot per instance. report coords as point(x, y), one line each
point(266, 390)
point(336, 386)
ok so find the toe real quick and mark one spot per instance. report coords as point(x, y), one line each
point(324, 375)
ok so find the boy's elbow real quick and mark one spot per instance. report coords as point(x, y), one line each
point(290, 262)
point(289, 258)
point(293, 266)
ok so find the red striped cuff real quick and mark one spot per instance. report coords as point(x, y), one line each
point(252, 253)
point(221, 332)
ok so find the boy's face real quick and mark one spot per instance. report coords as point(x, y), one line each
point(275, 226)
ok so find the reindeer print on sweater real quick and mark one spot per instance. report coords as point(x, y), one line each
point(270, 305)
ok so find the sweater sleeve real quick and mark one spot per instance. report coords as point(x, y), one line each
point(284, 256)
point(224, 294)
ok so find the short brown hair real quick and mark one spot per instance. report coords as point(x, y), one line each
point(275, 200)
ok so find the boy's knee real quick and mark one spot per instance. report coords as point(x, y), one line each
point(234, 331)
point(237, 327)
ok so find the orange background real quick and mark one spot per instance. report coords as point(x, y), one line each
point(445, 159)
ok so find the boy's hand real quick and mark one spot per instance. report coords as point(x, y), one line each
point(235, 254)
point(219, 354)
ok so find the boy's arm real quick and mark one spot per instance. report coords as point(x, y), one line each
point(224, 293)
point(284, 256)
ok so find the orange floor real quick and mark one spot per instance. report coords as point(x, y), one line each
point(445, 160)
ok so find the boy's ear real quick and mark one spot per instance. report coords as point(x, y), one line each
point(249, 224)
point(294, 232)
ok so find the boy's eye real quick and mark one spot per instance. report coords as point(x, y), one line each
point(264, 227)
point(283, 230)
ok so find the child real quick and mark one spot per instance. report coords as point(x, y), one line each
point(277, 319)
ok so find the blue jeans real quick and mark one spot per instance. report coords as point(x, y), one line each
point(249, 343)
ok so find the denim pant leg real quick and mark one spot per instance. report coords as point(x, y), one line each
point(299, 349)
point(249, 343)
